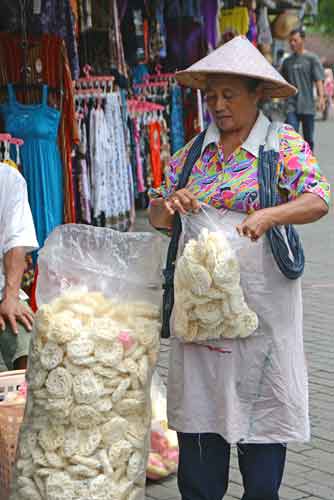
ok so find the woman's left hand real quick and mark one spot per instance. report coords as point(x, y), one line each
point(256, 224)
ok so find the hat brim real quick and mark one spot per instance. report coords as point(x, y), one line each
point(271, 87)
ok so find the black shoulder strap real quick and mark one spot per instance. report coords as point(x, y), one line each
point(193, 155)
point(168, 299)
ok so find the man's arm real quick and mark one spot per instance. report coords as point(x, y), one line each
point(11, 310)
point(321, 95)
point(14, 265)
point(318, 75)
point(19, 238)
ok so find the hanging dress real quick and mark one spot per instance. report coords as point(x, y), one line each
point(37, 125)
point(119, 158)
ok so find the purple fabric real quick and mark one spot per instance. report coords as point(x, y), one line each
point(252, 33)
point(185, 43)
point(209, 10)
point(122, 6)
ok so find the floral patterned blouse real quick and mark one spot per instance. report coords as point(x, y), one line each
point(232, 182)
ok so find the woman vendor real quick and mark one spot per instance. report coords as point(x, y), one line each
point(250, 391)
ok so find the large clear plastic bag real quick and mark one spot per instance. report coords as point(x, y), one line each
point(164, 452)
point(119, 265)
point(210, 302)
point(86, 428)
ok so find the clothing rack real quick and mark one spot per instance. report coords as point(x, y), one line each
point(165, 81)
point(5, 137)
point(96, 87)
point(163, 84)
point(102, 82)
point(80, 93)
point(8, 140)
point(139, 106)
point(93, 81)
point(158, 75)
point(11, 140)
point(102, 181)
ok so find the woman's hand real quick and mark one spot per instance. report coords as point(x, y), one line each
point(162, 210)
point(308, 207)
point(182, 201)
point(256, 224)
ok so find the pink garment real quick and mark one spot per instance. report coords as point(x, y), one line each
point(329, 87)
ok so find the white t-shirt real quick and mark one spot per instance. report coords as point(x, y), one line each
point(16, 222)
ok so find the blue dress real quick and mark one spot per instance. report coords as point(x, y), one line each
point(37, 125)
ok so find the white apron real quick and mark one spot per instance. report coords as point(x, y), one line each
point(256, 392)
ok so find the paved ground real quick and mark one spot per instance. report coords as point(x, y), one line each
point(310, 467)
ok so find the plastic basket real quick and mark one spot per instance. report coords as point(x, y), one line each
point(11, 416)
point(10, 382)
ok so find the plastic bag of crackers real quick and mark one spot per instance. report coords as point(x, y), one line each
point(86, 428)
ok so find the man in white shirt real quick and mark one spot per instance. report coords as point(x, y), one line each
point(17, 238)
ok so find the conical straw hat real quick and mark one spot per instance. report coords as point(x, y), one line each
point(238, 57)
point(284, 24)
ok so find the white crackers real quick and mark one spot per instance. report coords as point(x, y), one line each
point(86, 429)
point(209, 301)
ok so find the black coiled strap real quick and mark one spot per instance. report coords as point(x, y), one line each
point(267, 174)
point(168, 295)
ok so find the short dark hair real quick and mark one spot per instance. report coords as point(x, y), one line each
point(252, 83)
point(298, 31)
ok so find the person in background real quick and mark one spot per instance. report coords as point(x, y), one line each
point(303, 69)
point(17, 238)
point(329, 93)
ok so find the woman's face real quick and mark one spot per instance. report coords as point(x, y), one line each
point(232, 105)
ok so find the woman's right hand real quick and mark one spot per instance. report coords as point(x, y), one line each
point(162, 210)
point(182, 201)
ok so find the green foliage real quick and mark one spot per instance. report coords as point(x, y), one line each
point(325, 20)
